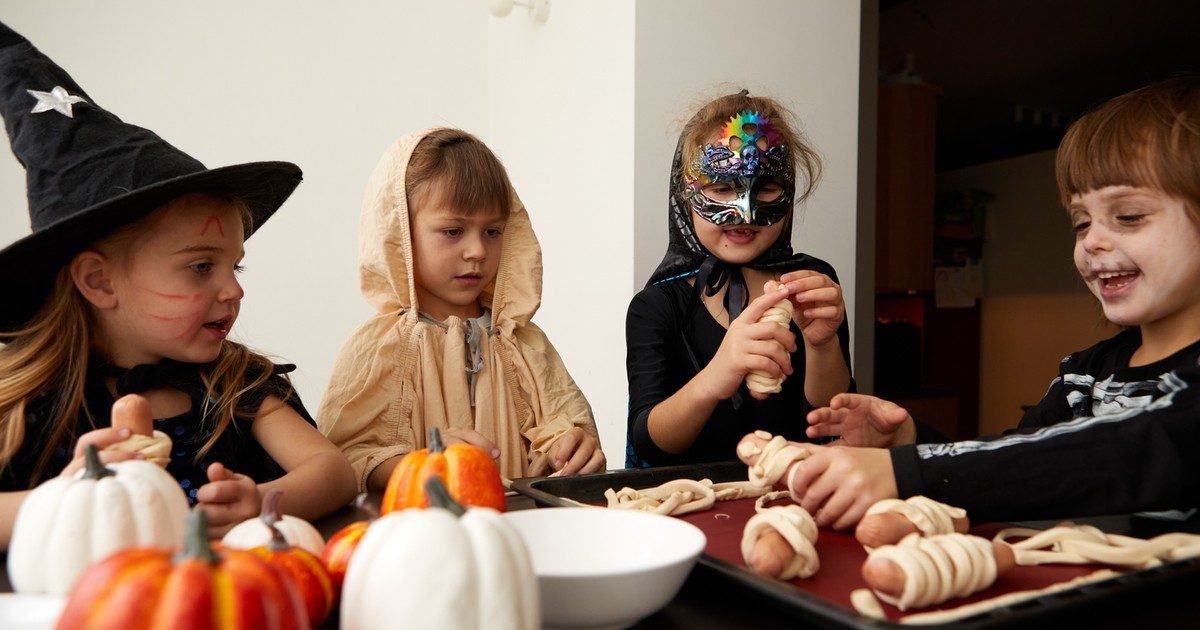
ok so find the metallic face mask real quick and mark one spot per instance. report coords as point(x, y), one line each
point(744, 178)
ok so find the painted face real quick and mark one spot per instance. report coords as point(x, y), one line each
point(742, 177)
point(455, 256)
point(176, 285)
point(1138, 251)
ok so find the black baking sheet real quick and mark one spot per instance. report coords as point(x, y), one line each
point(1128, 589)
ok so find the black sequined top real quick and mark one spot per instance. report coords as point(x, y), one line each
point(236, 448)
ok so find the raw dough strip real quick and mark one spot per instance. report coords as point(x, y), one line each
point(866, 604)
point(939, 568)
point(774, 459)
point(156, 447)
point(762, 382)
point(681, 496)
point(796, 526)
point(1084, 544)
point(929, 516)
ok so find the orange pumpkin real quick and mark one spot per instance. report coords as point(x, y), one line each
point(143, 587)
point(341, 545)
point(305, 570)
point(471, 476)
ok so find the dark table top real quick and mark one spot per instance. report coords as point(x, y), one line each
point(707, 600)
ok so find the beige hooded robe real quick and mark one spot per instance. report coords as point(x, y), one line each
point(399, 375)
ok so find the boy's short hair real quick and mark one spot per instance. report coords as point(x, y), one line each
point(469, 175)
point(1149, 138)
point(802, 159)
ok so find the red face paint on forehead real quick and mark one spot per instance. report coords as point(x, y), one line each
point(212, 220)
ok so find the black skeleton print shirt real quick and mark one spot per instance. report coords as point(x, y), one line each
point(1106, 438)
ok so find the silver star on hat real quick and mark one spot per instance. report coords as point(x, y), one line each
point(57, 99)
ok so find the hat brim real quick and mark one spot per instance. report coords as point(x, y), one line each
point(28, 266)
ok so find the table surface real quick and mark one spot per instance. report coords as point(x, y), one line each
point(708, 601)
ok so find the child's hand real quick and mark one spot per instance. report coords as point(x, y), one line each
point(837, 484)
point(749, 345)
point(819, 307)
point(456, 435)
point(101, 439)
point(861, 420)
point(576, 452)
point(227, 499)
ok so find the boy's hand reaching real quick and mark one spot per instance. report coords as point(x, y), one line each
point(818, 305)
point(861, 420)
point(749, 344)
point(227, 499)
point(576, 452)
point(836, 484)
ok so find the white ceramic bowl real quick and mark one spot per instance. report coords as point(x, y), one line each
point(606, 568)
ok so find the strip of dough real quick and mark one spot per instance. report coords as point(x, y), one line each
point(156, 447)
point(796, 526)
point(762, 382)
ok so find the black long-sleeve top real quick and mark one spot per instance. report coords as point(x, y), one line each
point(1105, 439)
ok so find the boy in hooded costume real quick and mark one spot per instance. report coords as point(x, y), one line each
point(449, 260)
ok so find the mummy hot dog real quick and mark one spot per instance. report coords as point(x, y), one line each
point(920, 572)
point(133, 412)
point(781, 313)
point(890, 520)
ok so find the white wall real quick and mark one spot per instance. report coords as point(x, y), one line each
point(561, 118)
point(583, 110)
point(325, 85)
point(804, 53)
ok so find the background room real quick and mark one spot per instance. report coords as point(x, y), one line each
point(583, 109)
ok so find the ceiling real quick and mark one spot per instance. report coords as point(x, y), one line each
point(1014, 73)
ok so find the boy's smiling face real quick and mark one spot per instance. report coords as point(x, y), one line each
point(455, 254)
point(1138, 251)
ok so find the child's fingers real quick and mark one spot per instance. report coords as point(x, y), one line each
point(808, 276)
point(773, 351)
point(100, 438)
point(828, 295)
point(805, 476)
point(832, 510)
point(566, 446)
point(759, 305)
point(217, 471)
point(851, 515)
point(106, 457)
point(823, 312)
point(221, 517)
point(581, 456)
point(595, 463)
point(133, 412)
point(221, 492)
point(474, 438)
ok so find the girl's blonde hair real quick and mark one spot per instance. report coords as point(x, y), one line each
point(468, 174)
point(51, 355)
point(1148, 138)
point(803, 160)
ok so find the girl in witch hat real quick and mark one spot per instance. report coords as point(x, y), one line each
point(693, 334)
point(127, 285)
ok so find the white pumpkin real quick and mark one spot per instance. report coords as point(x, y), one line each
point(432, 569)
point(255, 532)
point(67, 523)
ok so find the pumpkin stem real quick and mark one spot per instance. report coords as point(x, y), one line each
point(435, 441)
point(94, 468)
point(440, 497)
point(270, 507)
point(278, 542)
point(195, 541)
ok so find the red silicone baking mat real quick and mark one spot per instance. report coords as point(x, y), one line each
point(825, 597)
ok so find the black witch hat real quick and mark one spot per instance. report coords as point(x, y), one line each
point(88, 173)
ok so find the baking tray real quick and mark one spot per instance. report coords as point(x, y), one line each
point(790, 599)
